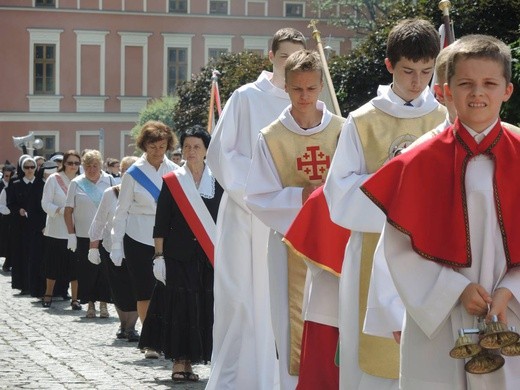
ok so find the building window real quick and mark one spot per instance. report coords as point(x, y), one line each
point(45, 3)
point(49, 145)
point(214, 53)
point(218, 7)
point(294, 10)
point(44, 69)
point(179, 6)
point(177, 67)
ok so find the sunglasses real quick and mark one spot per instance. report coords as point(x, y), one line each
point(29, 167)
point(71, 163)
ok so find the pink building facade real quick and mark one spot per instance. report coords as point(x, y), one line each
point(76, 73)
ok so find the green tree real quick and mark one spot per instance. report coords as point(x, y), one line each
point(235, 70)
point(361, 16)
point(511, 110)
point(161, 109)
point(357, 75)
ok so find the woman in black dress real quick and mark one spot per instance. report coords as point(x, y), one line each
point(181, 310)
point(24, 202)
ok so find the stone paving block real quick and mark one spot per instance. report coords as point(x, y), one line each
point(58, 348)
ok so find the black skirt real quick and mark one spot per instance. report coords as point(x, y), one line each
point(92, 279)
point(60, 263)
point(179, 321)
point(120, 285)
point(139, 260)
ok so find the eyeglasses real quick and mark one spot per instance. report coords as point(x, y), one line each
point(71, 163)
point(29, 167)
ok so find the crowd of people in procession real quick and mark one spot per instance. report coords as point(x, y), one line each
point(293, 248)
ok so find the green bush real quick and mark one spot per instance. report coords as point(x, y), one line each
point(357, 75)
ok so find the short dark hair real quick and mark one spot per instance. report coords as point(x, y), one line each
point(287, 34)
point(111, 161)
point(8, 168)
point(153, 131)
point(415, 39)
point(198, 132)
point(479, 46)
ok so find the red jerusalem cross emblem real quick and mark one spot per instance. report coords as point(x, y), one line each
point(314, 163)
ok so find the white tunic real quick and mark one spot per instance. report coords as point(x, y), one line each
point(277, 206)
point(53, 203)
point(352, 209)
point(244, 355)
point(135, 212)
point(431, 292)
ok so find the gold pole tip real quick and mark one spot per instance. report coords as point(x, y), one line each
point(444, 5)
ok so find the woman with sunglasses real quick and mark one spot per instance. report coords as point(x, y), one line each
point(58, 260)
point(83, 198)
point(24, 202)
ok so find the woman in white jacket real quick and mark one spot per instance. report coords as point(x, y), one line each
point(58, 260)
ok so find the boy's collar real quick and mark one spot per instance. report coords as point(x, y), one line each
point(417, 102)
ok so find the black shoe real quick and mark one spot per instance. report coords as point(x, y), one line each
point(75, 305)
point(132, 336)
point(47, 301)
point(121, 334)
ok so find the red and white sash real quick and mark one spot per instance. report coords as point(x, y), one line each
point(194, 210)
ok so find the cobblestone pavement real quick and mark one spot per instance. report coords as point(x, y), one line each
point(58, 348)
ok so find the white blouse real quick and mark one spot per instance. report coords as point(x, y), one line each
point(84, 208)
point(53, 203)
point(135, 212)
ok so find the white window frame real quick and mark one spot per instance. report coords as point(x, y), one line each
point(86, 133)
point(333, 13)
point(54, 133)
point(294, 2)
point(183, 41)
point(122, 136)
point(95, 38)
point(255, 42)
point(134, 39)
point(256, 1)
point(188, 8)
point(44, 103)
point(334, 43)
point(228, 8)
point(216, 42)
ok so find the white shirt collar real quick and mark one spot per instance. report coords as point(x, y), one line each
point(207, 182)
point(27, 181)
point(480, 136)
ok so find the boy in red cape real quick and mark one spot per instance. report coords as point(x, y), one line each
point(451, 239)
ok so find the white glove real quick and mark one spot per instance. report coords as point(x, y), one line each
point(159, 269)
point(72, 242)
point(93, 256)
point(116, 255)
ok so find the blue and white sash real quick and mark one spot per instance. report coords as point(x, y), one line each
point(140, 177)
point(92, 191)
